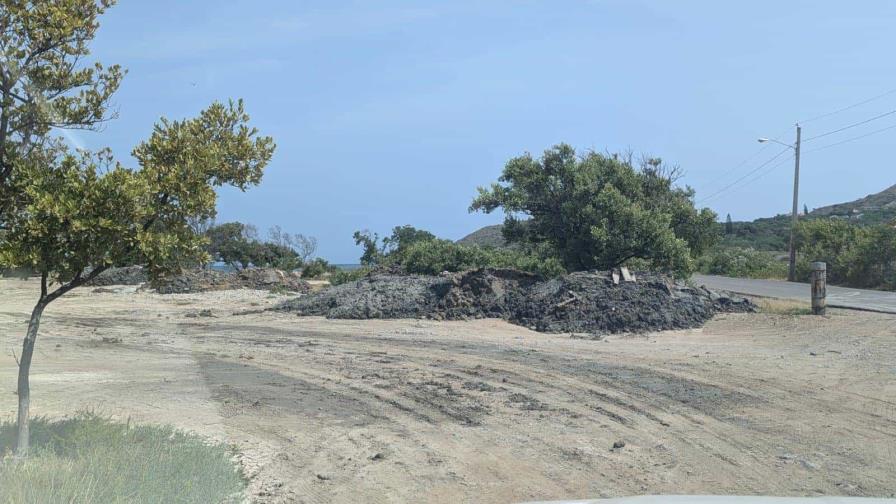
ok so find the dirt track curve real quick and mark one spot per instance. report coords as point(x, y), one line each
point(478, 411)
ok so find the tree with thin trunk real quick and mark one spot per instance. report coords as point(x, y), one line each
point(77, 214)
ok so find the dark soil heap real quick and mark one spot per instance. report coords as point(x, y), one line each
point(584, 302)
point(129, 275)
point(211, 280)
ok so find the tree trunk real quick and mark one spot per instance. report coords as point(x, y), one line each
point(24, 390)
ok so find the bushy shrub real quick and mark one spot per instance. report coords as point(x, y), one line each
point(858, 256)
point(599, 212)
point(316, 268)
point(237, 245)
point(832, 241)
point(432, 257)
point(341, 276)
point(742, 263)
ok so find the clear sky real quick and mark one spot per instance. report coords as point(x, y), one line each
point(389, 112)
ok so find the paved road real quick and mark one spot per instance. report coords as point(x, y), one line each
point(842, 297)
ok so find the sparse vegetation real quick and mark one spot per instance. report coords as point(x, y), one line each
point(89, 458)
point(341, 276)
point(435, 256)
point(742, 263)
point(420, 252)
point(317, 268)
point(782, 306)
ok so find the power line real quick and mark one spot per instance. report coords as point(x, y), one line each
point(736, 167)
point(751, 172)
point(852, 139)
point(866, 121)
point(854, 105)
point(766, 172)
point(769, 170)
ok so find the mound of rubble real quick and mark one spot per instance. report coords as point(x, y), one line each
point(211, 280)
point(583, 302)
point(129, 275)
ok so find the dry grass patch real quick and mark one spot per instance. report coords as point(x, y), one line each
point(783, 306)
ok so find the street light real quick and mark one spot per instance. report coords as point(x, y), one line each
point(764, 140)
point(791, 272)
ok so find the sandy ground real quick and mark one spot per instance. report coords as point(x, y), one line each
point(480, 411)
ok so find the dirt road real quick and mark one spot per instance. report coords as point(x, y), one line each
point(480, 411)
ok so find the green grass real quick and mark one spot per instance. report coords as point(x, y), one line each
point(91, 459)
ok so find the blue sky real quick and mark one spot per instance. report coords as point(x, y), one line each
point(390, 112)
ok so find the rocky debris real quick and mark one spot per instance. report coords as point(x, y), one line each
point(210, 280)
point(200, 313)
point(618, 444)
point(583, 302)
point(128, 275)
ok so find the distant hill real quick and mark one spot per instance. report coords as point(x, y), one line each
point(773, 233)
point(489, 236)
point(767, 233)
point(872, 209)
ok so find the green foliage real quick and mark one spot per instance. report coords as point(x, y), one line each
point(769, 234)
point(832, 241)
point(420, 252)
point(858, 256)
point(92, 459)
point(316, 268)
point(45, 80)
point(372, 254)
point(341, 276)
point(403, 237)
point(237, 245)
point(741, 263)
point(432, 257)
point(266, 254)
point(229, 243)
point(599, 212)
point(77, 211)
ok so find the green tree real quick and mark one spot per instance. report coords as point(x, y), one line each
point(230, 244)
point(45, 81)
point(78, 214)
point(599, 212)
point(403, 237)
point(729, 226)
point(369, 242)
point(832, 241)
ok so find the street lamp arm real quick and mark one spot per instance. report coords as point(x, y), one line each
point(764, 140)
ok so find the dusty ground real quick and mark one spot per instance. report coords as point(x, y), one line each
point(482, 411)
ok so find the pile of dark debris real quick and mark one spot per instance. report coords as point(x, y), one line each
point(582, 302)
point(203, 280)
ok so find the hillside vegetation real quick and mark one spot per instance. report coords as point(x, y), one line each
point(856, 239)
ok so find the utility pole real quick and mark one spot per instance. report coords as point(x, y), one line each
point(791, 272)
